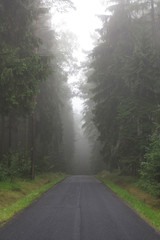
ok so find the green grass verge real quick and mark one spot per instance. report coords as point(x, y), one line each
point(151, 215)
point(40, 185)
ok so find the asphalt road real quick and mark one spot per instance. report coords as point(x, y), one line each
point(79, 208)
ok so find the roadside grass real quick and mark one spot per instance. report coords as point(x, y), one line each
point(17, 195)
point(126, 188)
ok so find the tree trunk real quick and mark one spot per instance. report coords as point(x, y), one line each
point(33, 146)
point(153, 25)
point(2, 139)
point(10, 119)
point(33, 125)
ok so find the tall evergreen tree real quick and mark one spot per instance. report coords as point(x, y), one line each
point(125, 77)
point(25, 64)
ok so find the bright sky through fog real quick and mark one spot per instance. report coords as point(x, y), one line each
point(82, 22)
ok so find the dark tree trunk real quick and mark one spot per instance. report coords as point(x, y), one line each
point(153, 25)
point(10, 119)
point(33, 146)
point(2, 139)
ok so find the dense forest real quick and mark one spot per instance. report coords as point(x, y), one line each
point(123, 91)
point(34, 96)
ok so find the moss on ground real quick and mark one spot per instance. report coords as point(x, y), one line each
point(127, 188)
point(17, 195)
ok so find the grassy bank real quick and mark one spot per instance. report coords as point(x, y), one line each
point(126, 188)
point(17, 195)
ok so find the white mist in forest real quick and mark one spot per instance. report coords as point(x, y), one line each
point(81, 160)
point(82, 23)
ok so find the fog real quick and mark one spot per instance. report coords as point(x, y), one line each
point(82, 23)
point(80, 88)
point(82, 149)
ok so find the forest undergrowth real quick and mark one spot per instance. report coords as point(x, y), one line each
point(15, 196)
point(127, 188)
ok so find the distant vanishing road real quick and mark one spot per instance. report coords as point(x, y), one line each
point(79, 208)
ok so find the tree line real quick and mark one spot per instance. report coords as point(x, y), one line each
point(123, 91)
point(33, 91)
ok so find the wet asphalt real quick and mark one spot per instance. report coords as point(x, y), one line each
point(79, 208)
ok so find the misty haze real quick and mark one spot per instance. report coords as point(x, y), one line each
point(79, 119)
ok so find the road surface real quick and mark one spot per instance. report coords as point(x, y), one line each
point(79, 208)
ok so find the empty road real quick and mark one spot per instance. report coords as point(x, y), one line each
point(79, 208)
